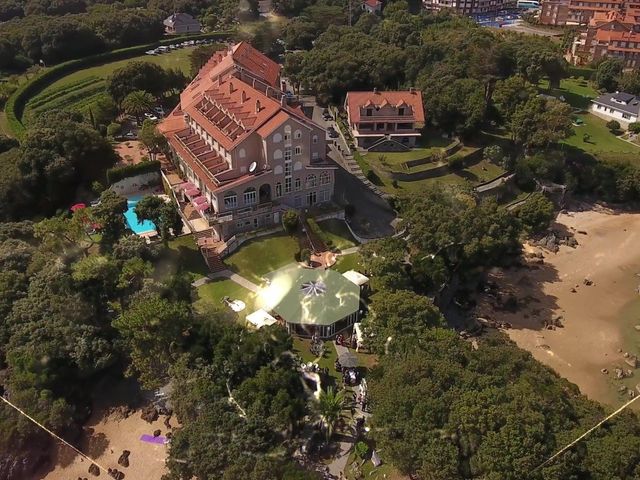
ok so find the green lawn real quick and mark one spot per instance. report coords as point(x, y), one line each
point(210, 295)
point(576, 92)
point(336, 230)
point(482, 172)
point(301, 348)
point(602, 143)
point(346, 263)
point(79, 89)
point(262, 255)
point(182, 254)
point(428, 144)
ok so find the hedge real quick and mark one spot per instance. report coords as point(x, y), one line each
point(116, 174)
point(583, 72)
point(18, 100)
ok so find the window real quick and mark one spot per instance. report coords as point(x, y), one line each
point(298, 150)
point(297, 201)
point(297, 134)
point(369, 112)
point(314, 156)
point(401, 111)
point(278, 189)
point(312, 181)
point(287, 133)
point(297, 166)
point(255, 222)
point(311, 198)
point(277, 170)
point(287, 185)
point(287, 155)
point(277, 138)
point(287, 169)
point(230, 199)
point(324, 178)
point(626, 116)
point(250, 196)
point(242, 153)
point(297, 184)
point(277, 155)
point(315, 139)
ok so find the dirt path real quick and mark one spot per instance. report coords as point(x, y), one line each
point(593, 336)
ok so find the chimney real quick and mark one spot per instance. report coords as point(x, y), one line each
point(375, 89)
point(230, 87)
point(412, 90)
point(243, 97)
point(258, 106)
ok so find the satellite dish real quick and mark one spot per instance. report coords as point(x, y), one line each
point(252, 167)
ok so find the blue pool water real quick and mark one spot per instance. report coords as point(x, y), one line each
point(132, 218)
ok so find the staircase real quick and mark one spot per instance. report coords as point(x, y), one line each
point(315, 242)
point(209, 248)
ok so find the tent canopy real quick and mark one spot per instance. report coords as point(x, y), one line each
point(356, 277)
point(260, 318)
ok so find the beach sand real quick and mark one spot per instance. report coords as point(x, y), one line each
point(104, 439)
point(598, 320)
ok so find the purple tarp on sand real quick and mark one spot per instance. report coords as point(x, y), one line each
point(151, 439)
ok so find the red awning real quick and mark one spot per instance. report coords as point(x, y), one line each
point(199, 200)
point(77, 206)
point(192, 192)
point(202, 206)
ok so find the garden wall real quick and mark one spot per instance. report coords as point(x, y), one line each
point(471, 159)
point(16, 103)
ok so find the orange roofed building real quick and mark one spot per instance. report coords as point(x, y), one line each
point(385, 120)
point(609, 35)
point(245, 153)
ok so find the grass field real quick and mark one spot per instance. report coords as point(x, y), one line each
point(346, 263)
point(476, 174)
point(427, 145)
point(602, 144)
point(80, 89)
point(337, 232)
point(210, 296)
point(260, 256)
point(182, 254)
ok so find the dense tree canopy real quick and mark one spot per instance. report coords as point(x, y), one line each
point(447, 411)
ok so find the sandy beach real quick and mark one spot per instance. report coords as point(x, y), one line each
point(106, 436)
point(598, 319)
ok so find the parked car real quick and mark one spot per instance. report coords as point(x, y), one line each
point(150, 52)
point(159, 111)
point(326, 116)
point(332, 132)
point(129, 135)
point(150, 116)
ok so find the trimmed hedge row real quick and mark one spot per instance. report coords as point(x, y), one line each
point(16, 103)
point(116, 174)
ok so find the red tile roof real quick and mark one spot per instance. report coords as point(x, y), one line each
point(609, 36)
point(357, 100)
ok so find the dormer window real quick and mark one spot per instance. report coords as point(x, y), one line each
point(369, 112)
point(401, 111)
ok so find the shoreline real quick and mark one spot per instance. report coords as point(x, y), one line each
point(592, 290)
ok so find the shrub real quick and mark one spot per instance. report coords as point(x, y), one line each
point(634, 127)
point(290, 221)
point(114, 129)
point(305, 255)
point(613, 125)
point(586, 138)
point(118, 173)
point(361, 449)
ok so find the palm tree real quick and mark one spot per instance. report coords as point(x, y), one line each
point(329, 407)
point(137, 103)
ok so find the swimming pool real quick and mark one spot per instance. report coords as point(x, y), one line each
point(132, 219)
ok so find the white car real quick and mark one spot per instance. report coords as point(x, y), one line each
point(150, 116)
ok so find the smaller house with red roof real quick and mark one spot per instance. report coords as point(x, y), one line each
point(389, 121)
point(372, 6)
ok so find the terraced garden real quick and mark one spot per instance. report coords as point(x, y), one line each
point(78, 90)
